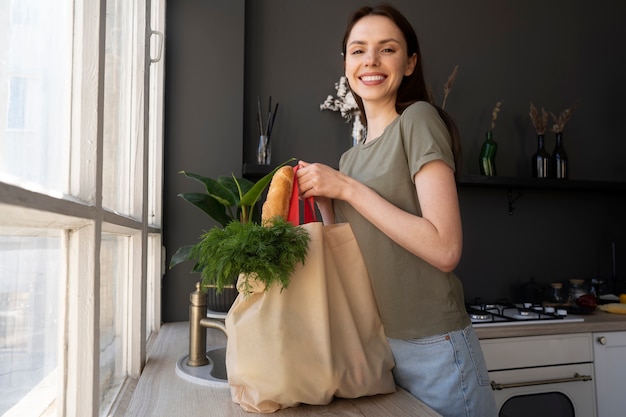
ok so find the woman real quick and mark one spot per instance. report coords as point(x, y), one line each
point(398, 192)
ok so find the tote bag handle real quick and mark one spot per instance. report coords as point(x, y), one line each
point(294, 204)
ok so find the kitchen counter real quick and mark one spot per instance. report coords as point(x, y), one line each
point(160, 392)
point(598, 321)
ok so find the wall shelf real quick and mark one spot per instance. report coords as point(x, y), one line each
point(255, 172)
point(514, 185)
point(540, 183)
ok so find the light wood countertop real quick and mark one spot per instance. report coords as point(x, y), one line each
point(598, 321)
point(160, 392)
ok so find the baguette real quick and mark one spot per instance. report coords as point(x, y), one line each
point(278, 196)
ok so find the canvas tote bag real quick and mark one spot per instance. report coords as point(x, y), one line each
point(321, 337)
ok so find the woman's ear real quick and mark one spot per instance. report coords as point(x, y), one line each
point(410, 66)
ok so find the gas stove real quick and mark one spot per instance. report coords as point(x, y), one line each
point(503, 313)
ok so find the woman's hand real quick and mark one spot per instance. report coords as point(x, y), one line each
point(308, 175)
point(321, 181)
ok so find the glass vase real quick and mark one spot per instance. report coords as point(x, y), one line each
point(541, 160)
point(359, 131)
point(558, 160)
point(487, 160)
point(263, 153)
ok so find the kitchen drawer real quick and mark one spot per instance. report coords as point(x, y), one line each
point(533, 351)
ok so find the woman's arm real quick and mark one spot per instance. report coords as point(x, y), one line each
point(436, 236)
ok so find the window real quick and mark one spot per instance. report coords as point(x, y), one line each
point(80, 215)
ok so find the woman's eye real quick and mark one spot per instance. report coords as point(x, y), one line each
point(356, 52)
point(388, 50)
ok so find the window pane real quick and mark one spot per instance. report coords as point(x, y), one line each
point(153, 295)
point(35, 57)
point(30, 290)
point(119, 139)
point(113, 303)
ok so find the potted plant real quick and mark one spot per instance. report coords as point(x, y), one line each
point(240, 244)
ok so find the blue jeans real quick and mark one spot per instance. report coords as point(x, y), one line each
point(447, 372)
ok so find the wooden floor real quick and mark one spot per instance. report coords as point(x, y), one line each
point(160, 392)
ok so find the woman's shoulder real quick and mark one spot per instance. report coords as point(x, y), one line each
point(422, 108)
point(421, 113)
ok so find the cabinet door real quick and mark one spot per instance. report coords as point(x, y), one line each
point(610, 372)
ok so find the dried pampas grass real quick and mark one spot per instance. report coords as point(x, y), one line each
point(447, 87)
point(494, 114)
point(561, 120)
point(540, 122)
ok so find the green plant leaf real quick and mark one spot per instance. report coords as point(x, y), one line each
point(252, 196)
point(231, 183)
point(210, 206)
point(222, 194)
point(181, 255)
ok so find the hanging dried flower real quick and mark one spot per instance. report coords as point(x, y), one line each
point(344, 102)
point(447, 87)
point(540, 122)
point(559, 122)
point(494, 114)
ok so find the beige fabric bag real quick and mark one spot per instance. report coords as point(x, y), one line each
point(319, 338)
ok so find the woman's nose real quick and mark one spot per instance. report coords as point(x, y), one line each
point(371, 58)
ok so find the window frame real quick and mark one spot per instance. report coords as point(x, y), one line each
point(84, 219)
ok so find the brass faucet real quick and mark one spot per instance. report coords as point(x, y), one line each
point(198, 323)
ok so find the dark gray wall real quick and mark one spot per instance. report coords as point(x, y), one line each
point(203, 127)
point(551, 53)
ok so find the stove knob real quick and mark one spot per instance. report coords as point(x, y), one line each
point(602, 340)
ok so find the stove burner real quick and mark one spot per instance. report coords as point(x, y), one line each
point(479, 317)
point(503, 312)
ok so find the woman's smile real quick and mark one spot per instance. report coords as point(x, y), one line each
point(372, 79)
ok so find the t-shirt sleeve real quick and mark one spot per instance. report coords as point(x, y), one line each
point(425, 137)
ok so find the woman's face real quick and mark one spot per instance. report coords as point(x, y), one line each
point(376, 59)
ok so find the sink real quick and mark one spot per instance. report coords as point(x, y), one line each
point(212, 374)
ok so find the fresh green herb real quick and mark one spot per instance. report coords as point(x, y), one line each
point(225, 200)
point(240, 245)
point(267, 254)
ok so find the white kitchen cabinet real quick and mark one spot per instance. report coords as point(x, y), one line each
point(609, 350)
point(542, 376)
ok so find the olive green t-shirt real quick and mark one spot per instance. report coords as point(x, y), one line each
point(414, 298)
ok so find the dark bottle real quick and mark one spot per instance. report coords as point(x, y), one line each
point(487, 159)
point(558, 165)
point(541, 160)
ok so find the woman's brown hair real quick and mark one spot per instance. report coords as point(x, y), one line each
point(413, 87)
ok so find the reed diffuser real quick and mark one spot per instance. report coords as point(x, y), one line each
point(265, 132)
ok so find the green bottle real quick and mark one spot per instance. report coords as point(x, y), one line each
point(487, 160)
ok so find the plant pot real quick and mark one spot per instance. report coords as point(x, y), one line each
point(221, 302)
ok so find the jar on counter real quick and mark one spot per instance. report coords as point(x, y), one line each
point(576, 289)
point(555, 294)
point(532, 292)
